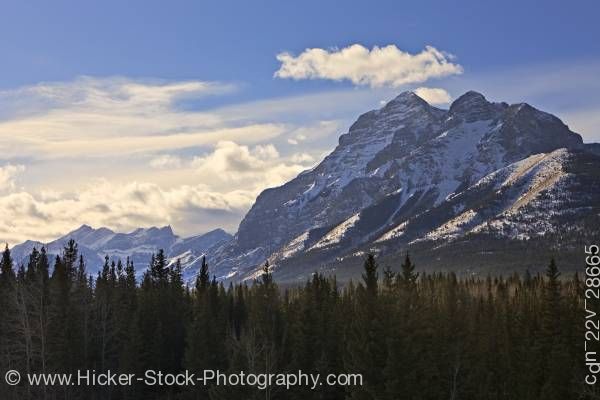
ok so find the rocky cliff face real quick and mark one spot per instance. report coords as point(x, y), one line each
point(404, 162)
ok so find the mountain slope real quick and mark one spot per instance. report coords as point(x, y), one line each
point(408, 170)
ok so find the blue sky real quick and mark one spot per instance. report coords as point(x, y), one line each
point(138, 97)
point(226, 40)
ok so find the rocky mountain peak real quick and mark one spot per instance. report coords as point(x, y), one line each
point(154, 230)
point(166, 230)
point(406, 109)
point(468, 99)
point(407, 98)
point(404, 104)
point(473, 106)
point(82, 229)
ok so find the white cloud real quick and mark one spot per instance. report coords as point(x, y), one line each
point(119, 95)
point(25, 215)
point(166, 161)
point(7, 176)
point(108, 116)
point(380, 66)
point(433, 95)
point(303, 158)
point(314, 132)
point(258, 167)
point(223, 185)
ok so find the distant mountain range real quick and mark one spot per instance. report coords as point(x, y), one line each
point(481, 186)
point(138, 245)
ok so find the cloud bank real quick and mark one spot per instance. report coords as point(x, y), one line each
point(46, 215)
point(223, 185)
point(127, 153)
point(378, 67)
point(99, 116)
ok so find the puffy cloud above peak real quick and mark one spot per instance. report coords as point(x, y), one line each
point(433, 95)
point(380, 66)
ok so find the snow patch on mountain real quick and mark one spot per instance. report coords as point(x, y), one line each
point(295, 246)
point(336, 234)
point(393, 233)
point(454, 227)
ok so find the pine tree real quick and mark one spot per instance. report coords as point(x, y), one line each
point(58, 317)
point(370, 277)
point(175, 319)
point(557, 379)
point(203, 278)
point(389, 280)
point(403, 335)
point(40, 296)
point(8, 316)
point(32, 265)
point(408, 277)
point(81, 316)
point(267, 275)
point(366, 352)
point(6, 267)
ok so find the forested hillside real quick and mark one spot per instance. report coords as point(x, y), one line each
point(410, 334)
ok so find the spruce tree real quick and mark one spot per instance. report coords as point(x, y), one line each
point(557, 379)
point(8, 316)
point(366, 352)
point(6, 267)
point(408, 277)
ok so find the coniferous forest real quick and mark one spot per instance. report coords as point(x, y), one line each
point(411, 335)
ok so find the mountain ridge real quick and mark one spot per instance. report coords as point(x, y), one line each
point(405, 176)
point(407, 157)
point(138, 245)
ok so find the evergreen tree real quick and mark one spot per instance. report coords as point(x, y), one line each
point(366, 351)
point(8, 316)
point(6, 267)
point(370, 277)
point(408, 277)
point(58, 318)
point(203, 278)
point(557, 379)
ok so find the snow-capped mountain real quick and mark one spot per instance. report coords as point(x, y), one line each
point(410, 173)
point(139, 245)
point(479, 185)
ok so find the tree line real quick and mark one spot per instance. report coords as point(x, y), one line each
point(410, 335)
